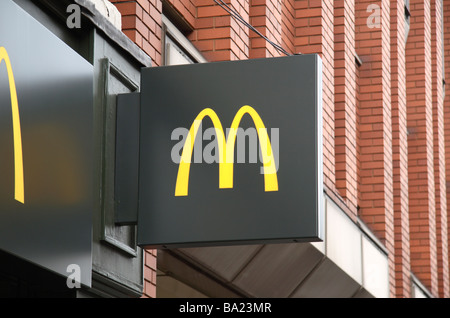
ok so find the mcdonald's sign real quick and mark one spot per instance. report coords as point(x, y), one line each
point(223, 200)
point(46, 102)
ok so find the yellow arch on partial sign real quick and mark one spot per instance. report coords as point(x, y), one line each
point(226, 151)
point(19, 192)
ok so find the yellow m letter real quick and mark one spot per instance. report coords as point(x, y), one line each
point(18, 158)
point(226, 151)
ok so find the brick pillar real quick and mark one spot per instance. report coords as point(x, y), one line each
point(288, 25)
point(439, 147)
point(345, 103)
point(446, 25)
point(265, 16)
point(217, 34)
point(420, 147)
point(400, 150)
point(314, 33)
point(375, 140)
point(150, 266)
point(142, 23)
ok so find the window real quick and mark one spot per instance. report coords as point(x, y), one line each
point(177, 48)
point(407, 19)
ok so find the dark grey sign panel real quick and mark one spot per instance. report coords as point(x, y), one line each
point(46, 147)
point(281, 94)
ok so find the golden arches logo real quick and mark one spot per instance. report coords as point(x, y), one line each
point(226, 151)
point(19, 193)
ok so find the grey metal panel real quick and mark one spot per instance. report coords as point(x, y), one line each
point(278, 269)
point(172, 265)
point(169, 287)
point(226, 261)
point(284, 91)
point(362, 293)
point(53, 228)
point(127, 158)
point(327, 281)
point(116, 258)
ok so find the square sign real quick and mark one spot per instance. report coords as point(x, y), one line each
point(46, 110)
point(231, 153)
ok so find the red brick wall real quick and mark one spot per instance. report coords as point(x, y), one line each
point(386, 127)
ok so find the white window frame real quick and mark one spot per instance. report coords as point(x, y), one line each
point(173, 37)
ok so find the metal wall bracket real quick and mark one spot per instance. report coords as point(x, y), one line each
point(126, 194)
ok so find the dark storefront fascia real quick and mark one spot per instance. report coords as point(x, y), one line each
point(117, 269)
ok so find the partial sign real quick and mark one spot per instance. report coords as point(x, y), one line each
point(46, 107)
